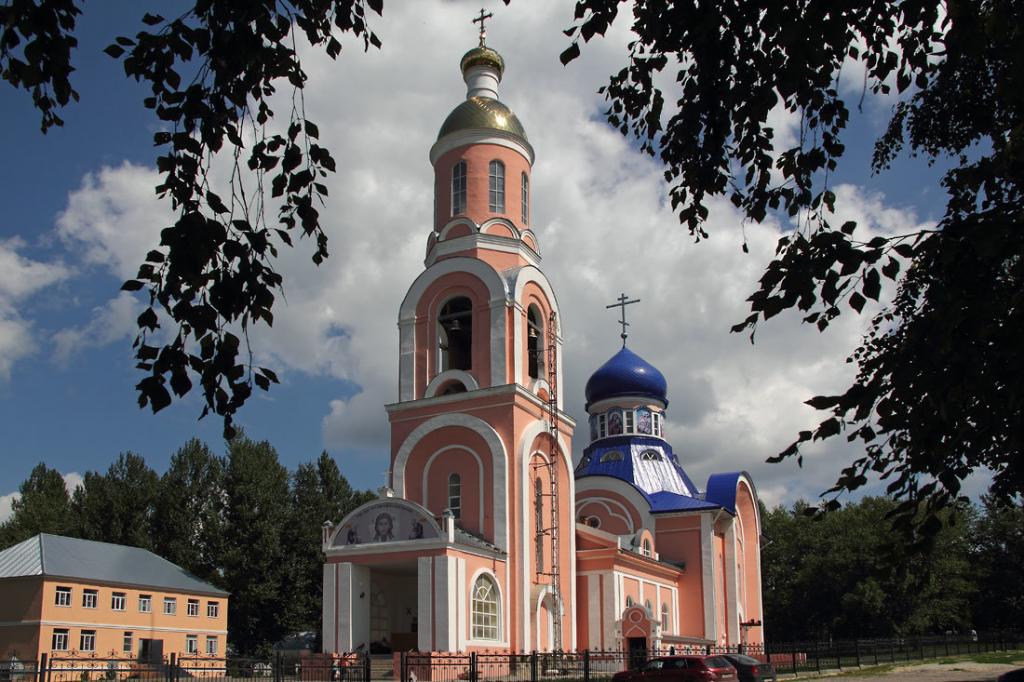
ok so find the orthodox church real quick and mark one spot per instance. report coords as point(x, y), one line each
point(488, 536)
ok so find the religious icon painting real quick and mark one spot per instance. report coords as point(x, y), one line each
point(615, 422)
point(643, 420)
point(593, 427)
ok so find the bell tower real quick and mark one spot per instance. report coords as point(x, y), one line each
point(478, 433)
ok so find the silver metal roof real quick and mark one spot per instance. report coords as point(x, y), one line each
point(103, 562)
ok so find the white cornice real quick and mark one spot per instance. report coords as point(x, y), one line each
point(479, 239)
point(503, 389)
point(463, 138)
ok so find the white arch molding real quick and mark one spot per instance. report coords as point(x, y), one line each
point(606, 503)
point(480, 476)
point(526, 439)
point(498, 297)
point(460, 375)
point(499, 463)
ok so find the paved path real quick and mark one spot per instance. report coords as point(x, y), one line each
point(962, 671)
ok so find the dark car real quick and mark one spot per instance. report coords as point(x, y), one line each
point(680, 669)
point(1013, 676)
point(750, 669)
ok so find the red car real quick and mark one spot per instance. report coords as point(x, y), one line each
point(680, 669)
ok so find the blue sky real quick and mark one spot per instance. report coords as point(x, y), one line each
point(77, 212)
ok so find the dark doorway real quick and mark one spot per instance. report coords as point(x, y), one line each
point(151, 651)
point(636, 648)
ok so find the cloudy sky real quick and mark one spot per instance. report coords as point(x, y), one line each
point(80, 213)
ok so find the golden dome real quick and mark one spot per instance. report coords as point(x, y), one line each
point(483, 55)
point(478, 113)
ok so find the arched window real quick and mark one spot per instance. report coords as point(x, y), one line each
point(664, 617)
point(650, 456)
point(455, 495)
point(538, 523)
point(459, 188)
point(535, 342)
point(645, 549)
point(455, 335)
point(496, 174)
point(526, 200)
point(629, 602)
point(612, 456)
point(485, 608)
point(648, 608)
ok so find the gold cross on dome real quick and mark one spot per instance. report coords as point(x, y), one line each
point(622, 303)
point(480, 20)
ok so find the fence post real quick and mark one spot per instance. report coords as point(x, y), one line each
point(586, 665)
point(173, 661)
point(794, 659)
point(366, 667)
point(817, 656)
point(533, 666)
point(856, 650)
point(839, 653)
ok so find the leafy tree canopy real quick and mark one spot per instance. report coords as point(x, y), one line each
point(212, 72)
point(938, 393)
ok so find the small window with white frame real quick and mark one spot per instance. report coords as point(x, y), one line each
point(192, 608)
point(60, 640)
point(211, 645)
point(645, 549)
point(455, 495)
point(629, 421)
point(602, 425)
point(656, 421)
point(127, 642)
point(87, 641)
point(212, 609)
point(145, 603)
point(191, 644)
point(62, 597)
point(496, 187)
point(170, 606)
point(117, 601)
point(89, 599)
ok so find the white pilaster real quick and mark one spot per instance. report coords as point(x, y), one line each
point(611, 610)
point(330, 609)
point(707, 571)
point(461, 605)
point(594, 634)
point(446, 619)
point(353, 607)
point(424, 604)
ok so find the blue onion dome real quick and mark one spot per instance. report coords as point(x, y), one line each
point(626, 374)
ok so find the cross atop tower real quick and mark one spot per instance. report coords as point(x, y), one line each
point(480, 20)
point(622, 303)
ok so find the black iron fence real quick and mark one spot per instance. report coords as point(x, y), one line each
point(789, 658)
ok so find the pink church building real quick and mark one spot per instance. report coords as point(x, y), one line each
point(489, 537)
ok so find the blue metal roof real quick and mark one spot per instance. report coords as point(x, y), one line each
point(626, 374)
point(668, 502)
point(722, 489)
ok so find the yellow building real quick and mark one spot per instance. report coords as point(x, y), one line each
point(66, 597)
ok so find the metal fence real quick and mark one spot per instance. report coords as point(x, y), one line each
point(789, 658)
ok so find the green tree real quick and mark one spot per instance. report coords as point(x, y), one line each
point(212, 71)
point(319, 493)
point(938, 391)
point(117, 506)
point(188, 526)
point(255, 559)
point(43, 506)
point(997, 557)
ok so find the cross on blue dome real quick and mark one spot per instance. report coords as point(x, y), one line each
point(626, 374)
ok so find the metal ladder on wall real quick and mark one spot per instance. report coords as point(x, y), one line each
point(552, 415)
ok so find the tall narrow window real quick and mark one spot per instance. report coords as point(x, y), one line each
point(455, 335)
point(602, 421)
point(496, 173)
point(526, 200)
point(535, 342)
point(629, 421)
point(126, 643)
point(645, 548)
point(538, 523)
point(455, 495)
point(485, 608)
point(459, 188)
point(664, 617)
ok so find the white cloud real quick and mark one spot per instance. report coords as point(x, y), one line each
point(604, 226)
point(20, 278)
point(113, 321)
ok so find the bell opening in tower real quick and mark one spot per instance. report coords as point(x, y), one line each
point(535, 342)
point(455, 335)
